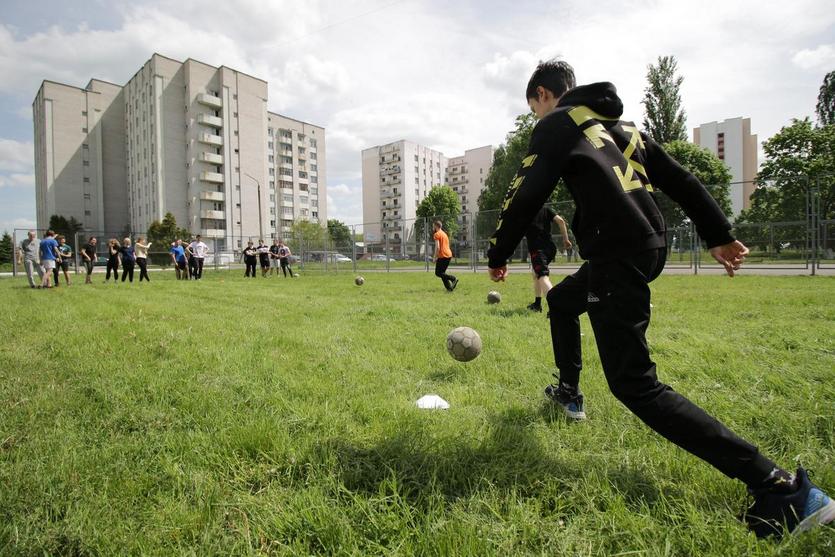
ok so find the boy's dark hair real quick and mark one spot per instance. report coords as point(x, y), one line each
point(555, 75)
point(438, 223)
point(50, 233)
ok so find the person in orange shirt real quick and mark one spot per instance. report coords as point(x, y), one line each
point(443, 255)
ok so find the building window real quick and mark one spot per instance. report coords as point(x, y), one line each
point(86, 213)
point(86, 179)
point(86, 196)
point(84, 130)
point(272, 172)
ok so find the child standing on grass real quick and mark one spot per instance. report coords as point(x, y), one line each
point(264, 257)
point(611, 170)
point(250, 256)
point(141, 250)
point(284, 259)
point(443, 255)
point(66, 256)
point(128, 259)
point(113, 251)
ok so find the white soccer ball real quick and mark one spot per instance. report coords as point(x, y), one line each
point(493, 297)
point(463, 344)
point(296, 275)
point(359, 281)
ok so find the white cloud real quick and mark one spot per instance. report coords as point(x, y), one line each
point(16, 156)
point(820, 58)
point(16, 224)
point(17, 180)
point(345, 203)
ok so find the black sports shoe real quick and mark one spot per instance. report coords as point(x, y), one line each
point(772, 513)
point(453, 285)
point(535, 307)
point(569, 399)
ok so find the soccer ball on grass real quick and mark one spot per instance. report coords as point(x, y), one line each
point(493, 297)
point(359, 281)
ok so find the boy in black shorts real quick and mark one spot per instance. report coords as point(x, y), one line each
point(542, 250)
point(250, 256)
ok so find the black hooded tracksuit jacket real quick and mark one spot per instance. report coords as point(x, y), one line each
point(611, 170)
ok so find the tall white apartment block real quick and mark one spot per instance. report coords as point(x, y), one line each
point(734, 144)
point(80, 154)
point(180, 137)
point(296, 163)
point(466, 176)
point(395, 179)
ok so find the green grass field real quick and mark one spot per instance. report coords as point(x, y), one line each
point(236, 416)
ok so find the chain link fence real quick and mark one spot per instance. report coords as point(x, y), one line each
point(395, 244)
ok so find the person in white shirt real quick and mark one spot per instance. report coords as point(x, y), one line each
point(141, 249)
point(199, 250)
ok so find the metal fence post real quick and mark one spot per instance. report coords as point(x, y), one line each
point(354, 246)
point(15, 252)
point(386, 238)
point(75, 252)
point(426, 244)
point(696, 248)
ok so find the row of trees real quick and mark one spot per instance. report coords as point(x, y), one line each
point(798, 155)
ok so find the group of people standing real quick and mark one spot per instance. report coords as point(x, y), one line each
point(125, 254)
point(188, 259)
point(271, 258)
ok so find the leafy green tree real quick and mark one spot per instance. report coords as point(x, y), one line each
point(339, 234)
point(306, 235)
point(162, 234)
point(708, 168)
point(664, 119)
point(826, 101)
point(506, 161)
point(440, 203)
point(797, 156)
point(6, 248)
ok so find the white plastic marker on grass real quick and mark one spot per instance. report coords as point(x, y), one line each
point(432, 402)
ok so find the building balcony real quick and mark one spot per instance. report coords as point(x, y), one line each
point(210, 120)
point(211, 214)
point(210, 139)
point(212, 158)
point(213, 177)
point(212, 232)
point(387, 171)
point(212, 196)
point(210, 100)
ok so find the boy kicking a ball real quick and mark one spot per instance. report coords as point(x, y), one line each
point(611, 171)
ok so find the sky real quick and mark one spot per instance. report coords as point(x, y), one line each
point(448, 75)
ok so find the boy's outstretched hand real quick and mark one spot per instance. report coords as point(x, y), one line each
point(498, 274)
point(730, 256)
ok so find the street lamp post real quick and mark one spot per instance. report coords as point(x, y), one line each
point(260, 217)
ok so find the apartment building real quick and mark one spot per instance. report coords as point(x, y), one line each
point(395, 179)
point(391, 172)
point(734, 144)
point(296, 173)
point(466, 175)
point(181, 137)
point(80, 153)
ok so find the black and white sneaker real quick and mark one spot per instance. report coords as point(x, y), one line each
point(568, 398)
point(453, 285)
point(535, 307)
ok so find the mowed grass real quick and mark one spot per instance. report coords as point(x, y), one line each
point(268, 416)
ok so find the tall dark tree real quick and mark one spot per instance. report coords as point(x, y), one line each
point(6, 248)
point(65, 227)
point(339, 234)
point(826, 101)
point(664, 119)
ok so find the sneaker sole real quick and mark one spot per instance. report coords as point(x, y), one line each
point(819, 518)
